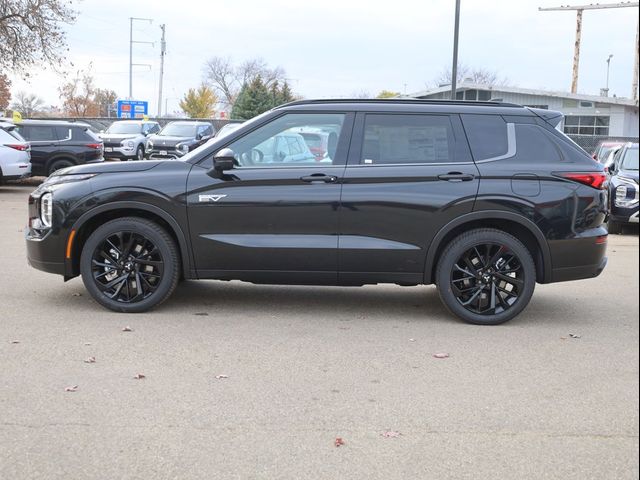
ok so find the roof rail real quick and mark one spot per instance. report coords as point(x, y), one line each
point(418, 101)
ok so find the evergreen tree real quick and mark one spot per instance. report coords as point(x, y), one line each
point(254, 98)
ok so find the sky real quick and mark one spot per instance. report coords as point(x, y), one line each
point(337, 48)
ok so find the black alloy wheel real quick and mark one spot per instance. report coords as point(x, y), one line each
point(130, 265)
point(127, 267)
point(486, 277)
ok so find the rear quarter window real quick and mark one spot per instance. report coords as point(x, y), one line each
point(85, 135)
point(534, 145)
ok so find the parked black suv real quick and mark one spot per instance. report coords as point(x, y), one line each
point(178, 138)
point(57, 144)
point(483, 199)
point(623, 188)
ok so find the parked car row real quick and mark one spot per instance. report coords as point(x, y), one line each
point(620, 161)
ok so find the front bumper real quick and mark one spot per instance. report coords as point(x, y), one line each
point(42, 252)
point(624, 215)
point(165, 154)
point(119, 152)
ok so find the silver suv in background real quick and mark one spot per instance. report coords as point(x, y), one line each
point(15, 154)
point(127, 139)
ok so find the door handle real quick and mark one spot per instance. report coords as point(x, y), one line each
point(319, 177)
point(457, 177)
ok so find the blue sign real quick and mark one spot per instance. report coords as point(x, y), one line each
point(132, 108)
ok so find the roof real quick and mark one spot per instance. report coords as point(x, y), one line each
point(528, 91)
point(60, 123)
point(190, 122)
point(135, 120)
point(405, 105)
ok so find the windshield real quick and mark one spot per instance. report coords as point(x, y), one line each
point(178, 130)
point(630, 160)
point(228, 128)
point(124, 128)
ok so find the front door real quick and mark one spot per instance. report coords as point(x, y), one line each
point(273, 218)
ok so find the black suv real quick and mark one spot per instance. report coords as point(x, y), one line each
point(482, 199)
point(623, 188)
point(57, 144)
point(178, 138)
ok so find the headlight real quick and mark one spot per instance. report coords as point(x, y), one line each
point(626, 196)
point(128, 144)
point(182, 147)
point(46, 209)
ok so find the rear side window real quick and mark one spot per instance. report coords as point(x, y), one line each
point(85, 135)
point(487, 135)
point(533, 145)
point(39, 133)
point(64, 133)
point(406, 139)
point(5, 137)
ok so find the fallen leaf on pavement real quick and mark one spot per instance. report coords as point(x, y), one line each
point(412, 339)
point(90, 360)
point(391, 434)
point(338, 442)
point(127, 329)
point(76, 294)
point(201, 314)
point(440, 355)
point(219, 377)
point(87, 344)
point(139, 376)
point(573, 335)
point(71, 389)
point(15, 341)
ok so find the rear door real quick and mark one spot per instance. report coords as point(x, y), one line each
point(408, 175)
point(270, 219)
point(44, 143)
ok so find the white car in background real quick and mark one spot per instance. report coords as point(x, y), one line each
point(15, 154)
point(127, 139)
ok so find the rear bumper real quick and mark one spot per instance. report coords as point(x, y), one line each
point(15, 171)
point(580, 257)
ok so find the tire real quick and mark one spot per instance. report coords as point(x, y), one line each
point(614, 227)
point(59, 164)
point(498, 288)
point(141, 281)
point(139, 153)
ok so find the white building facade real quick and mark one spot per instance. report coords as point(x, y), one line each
point(585, 115)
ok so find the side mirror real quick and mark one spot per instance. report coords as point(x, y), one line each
point(224, 160)
point(199, 136)
point(611, 168)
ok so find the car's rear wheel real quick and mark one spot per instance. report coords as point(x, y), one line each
point(486, 277)
point(59, 164)
point(130, 265)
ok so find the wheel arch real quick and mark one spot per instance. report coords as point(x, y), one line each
point(60, 156)
point(90, 220)
point(522, 228)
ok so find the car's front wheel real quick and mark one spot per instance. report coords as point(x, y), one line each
point(130, 265)
point(486, 277)
point(140, 153)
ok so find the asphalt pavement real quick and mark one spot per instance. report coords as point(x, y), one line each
point(238, 381)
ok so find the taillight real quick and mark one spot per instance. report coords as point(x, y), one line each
point(97, 146)
point(18, 146)
point(596, 180)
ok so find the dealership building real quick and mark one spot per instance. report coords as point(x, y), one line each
point(585, 115)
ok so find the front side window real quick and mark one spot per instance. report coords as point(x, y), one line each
point(406, 139)
point(280, 143)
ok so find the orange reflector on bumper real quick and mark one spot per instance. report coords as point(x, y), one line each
point(72, 235)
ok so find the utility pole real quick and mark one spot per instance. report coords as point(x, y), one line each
point(606, 87)
point(131, 42)
point(579, 10)
point(454, 67)
point(163, 51)
point(634, 82)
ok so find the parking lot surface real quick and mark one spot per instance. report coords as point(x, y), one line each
point(257, 382)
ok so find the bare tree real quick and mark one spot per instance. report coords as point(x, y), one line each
point(32, 34)
point(79, 95)
point(226, 79)
point(28, 104)
point(362, 94)
point(480, 76)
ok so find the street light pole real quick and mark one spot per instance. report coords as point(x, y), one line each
point(454, 67)
point(608, 65)
point(131, 42)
